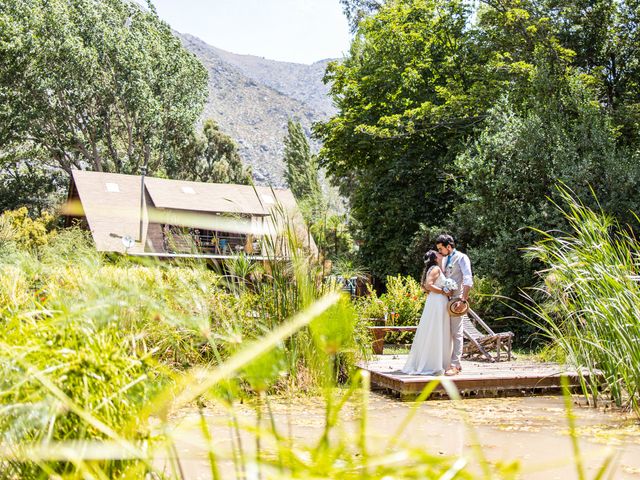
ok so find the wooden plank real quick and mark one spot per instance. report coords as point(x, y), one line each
point(476, 379)
point(392, 328)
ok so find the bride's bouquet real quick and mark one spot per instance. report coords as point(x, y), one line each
point(450, 285)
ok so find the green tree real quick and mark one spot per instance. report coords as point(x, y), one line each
point(413, 87)
point(102, 85)
point(302, 168)
point(512, 169)
point(569, 115)
point(28, 180)
point(211, 157)
point(356, 10)
point(332, 236)
point(420, 79)
point(461, 120)
point(598, 37)
point(328, 226)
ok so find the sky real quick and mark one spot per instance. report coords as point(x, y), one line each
point(300, 31)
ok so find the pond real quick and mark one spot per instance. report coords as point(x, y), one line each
point(531, 430)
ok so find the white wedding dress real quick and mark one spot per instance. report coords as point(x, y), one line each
point(431, 349)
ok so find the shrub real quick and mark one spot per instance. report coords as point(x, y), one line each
point(404, 299)
point(401, 304)
point(371, 306)
point(67, 347)
point(27, 232)
point(82, 331)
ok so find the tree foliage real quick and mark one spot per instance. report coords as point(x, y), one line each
point(513, 169)
point(19, 227)
point(102, 85)
point(357, 10)
point(332, 236)
point(463, 116)
point(211, 157)
point(562, 121)
point(598, 38)
point(328, 227)
point(29, 179)
point(301, 166)
point(410, 91)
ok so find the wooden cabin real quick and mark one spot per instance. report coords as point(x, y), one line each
point(174, 218)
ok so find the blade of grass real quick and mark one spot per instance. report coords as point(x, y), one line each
point(206, 432)
point(575, 446)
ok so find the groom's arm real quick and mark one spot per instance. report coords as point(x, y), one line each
point(467, 276)
point(465, 292)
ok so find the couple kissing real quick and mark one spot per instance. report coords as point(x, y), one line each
point(447, 278)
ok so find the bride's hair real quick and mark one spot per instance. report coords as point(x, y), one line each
point(430, 260)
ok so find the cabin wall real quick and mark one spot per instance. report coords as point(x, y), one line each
point(155, 239)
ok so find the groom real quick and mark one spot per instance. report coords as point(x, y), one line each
point(457, 267)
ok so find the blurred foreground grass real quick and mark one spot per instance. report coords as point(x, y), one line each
point(98, 353)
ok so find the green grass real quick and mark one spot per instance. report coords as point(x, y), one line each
point(94, 351)
point(109, 335)
point(397, 349)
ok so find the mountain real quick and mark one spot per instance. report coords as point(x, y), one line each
point(252, 99)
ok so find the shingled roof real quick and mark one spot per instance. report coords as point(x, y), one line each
point(110, 202)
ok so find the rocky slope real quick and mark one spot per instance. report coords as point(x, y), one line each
point(252, 99)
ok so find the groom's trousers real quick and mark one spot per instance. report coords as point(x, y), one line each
point(456, 336)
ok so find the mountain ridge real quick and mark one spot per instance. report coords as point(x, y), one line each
point(252, 98)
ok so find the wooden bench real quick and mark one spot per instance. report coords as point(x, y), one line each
point(379, 333)
point(479, 344)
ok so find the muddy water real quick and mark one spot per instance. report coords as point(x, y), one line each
point(530, 430)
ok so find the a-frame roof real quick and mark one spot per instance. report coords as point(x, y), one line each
point(111, 203)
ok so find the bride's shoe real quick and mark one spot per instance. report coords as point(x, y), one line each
point(452, 371)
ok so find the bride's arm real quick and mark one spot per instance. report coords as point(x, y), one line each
point(432, 278)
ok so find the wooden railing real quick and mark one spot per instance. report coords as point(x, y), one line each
point(208, 242)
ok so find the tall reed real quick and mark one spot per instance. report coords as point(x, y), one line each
point(589, 299)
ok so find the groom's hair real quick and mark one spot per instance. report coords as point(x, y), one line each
point(445, 240)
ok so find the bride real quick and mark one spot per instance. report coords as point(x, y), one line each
point(431, 349)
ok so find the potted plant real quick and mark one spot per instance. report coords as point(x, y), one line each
point(371, 308)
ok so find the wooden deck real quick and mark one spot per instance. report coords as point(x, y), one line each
point(477, 379)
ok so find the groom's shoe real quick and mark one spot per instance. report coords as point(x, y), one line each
point(452, 371)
